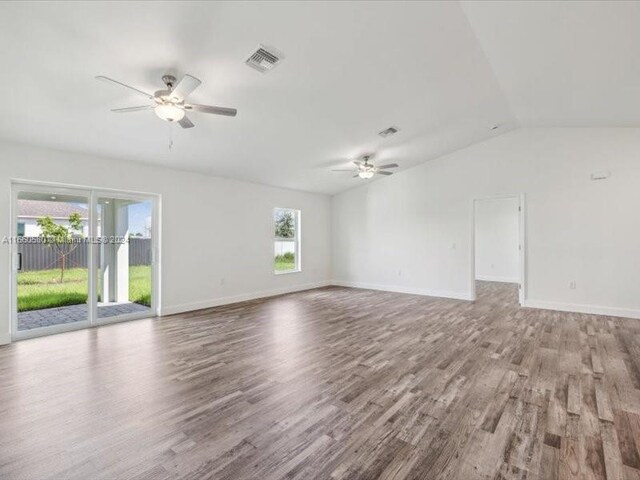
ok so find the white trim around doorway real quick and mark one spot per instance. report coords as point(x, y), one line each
point(522, 245)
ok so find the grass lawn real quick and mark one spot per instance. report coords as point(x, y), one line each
point(284, 262)
point(140, 284)
point(283, 266)
point(42, 288)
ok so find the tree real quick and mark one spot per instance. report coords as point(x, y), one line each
point(285, 224)
point(60, 237)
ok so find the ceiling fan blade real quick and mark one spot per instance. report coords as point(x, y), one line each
point(116, 82)
point(342, 170)
point(382, 172)
point(132, 109)
point(390, 165)
point(184, 87)
point(186, 123)
point(356, 175)
point(229, 112)
point(357, 162)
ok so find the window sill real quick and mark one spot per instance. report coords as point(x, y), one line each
point(284, 272)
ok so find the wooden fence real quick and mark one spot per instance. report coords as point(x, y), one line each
point(38, 256)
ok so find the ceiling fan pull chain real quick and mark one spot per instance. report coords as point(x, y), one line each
point(170, 138)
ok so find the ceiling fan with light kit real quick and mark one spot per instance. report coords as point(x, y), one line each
point(170, 104)
point(365, 169)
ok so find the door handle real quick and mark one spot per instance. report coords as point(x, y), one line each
point(19, 266)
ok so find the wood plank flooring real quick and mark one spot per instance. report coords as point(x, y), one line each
point(332, 383)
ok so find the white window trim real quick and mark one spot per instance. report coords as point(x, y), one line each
point(295, 239)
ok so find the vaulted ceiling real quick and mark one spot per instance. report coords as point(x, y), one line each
point(444, 73)
point(564, 63)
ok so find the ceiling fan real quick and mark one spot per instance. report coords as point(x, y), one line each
point(169, 104)
point(367, 170)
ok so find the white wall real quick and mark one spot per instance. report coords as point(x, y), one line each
point(411, 231)
point(234, 242)
point(497, 230)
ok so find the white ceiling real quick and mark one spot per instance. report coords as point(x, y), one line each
point(564, 63)
point(351, 70)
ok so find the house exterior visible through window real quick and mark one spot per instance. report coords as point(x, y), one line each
point(286, 242)
point(20, 231)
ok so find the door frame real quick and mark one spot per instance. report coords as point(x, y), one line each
point(155, 263)
point(91, 193)
point(522, 244)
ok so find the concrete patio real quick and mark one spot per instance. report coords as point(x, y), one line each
point(74, 313)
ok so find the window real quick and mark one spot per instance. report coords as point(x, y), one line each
point(20, 231)
point(286, 240)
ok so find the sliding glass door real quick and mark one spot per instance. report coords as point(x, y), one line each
point(51, 258)
point(81, 257)
point(124, 256)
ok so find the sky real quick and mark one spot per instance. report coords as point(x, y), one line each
point(140, 218)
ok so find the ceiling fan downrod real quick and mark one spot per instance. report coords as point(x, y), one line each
point(169, 81)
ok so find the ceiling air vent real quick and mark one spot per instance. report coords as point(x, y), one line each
point(264, 59)
point(388, 132)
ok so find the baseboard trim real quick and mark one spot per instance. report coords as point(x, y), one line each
point(579, 308)
point(489, 278)
point(217, 302)
point(5, 338)
point(540, 304)
point(410, 290)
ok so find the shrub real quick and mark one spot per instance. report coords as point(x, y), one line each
point(286, 257)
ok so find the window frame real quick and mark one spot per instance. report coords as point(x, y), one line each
point(296, 240)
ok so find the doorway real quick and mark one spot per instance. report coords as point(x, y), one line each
point(81, 257)
point(498, 245)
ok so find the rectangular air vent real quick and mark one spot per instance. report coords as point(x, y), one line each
point(388, 132)
point(264, 59)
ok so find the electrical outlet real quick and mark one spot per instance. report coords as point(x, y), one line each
point(572, 285)
point(222, 281)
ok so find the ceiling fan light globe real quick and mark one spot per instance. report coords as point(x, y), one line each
point(169, 112)
point(365, 174)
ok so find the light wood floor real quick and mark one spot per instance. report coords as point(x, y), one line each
point(329, 383)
